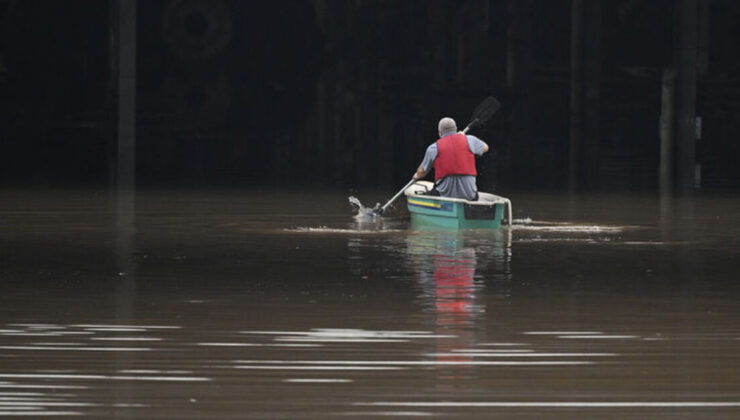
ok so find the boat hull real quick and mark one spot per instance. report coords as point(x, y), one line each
point(445, 213)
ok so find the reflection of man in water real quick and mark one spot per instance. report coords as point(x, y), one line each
point(453, 156)
point(449, 291)
point(455, 288)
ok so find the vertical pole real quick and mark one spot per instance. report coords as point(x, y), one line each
point(125, 49)
point(702, 68)
point(323, 20)
point(703, 42)
point(686, 60)
point(576, 92)
point(520, 69)
point(123, 70)
point(126, 131)
point(322, 131)
point(591, 39)
point(123, 91)
point(667, 131)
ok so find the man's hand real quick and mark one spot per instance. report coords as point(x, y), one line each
point(419, 174)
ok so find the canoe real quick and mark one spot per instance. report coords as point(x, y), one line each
point(455, 213)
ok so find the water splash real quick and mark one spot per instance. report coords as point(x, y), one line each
point(565, 227)
point(366, 220)
point(362, 211)
point(374, 228)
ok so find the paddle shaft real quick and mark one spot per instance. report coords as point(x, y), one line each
point(382, 209)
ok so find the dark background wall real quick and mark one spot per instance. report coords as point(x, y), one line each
point(348, 93)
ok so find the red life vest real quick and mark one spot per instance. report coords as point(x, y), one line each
point(454, 157)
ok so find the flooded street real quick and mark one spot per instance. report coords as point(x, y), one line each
point(254, 304)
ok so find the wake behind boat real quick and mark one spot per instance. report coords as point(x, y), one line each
point(428, 211)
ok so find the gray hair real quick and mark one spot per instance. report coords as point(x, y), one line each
point(446, 124)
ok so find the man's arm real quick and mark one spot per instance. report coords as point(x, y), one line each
point(477, 146)
point(429, 156)
point(420, 173)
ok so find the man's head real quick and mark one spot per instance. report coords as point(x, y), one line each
point(446, 125)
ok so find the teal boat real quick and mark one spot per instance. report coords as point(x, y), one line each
point(429, 211)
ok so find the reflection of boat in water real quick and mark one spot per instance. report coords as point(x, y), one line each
point(446, 268)
point(455, 287)
point(440, 212)
point(454, 266)
point(451, 289)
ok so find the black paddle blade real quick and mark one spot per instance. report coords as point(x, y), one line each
point(484, 111)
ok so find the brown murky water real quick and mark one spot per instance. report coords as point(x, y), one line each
point(244, 304)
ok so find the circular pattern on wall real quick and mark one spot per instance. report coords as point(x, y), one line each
point(197, 29)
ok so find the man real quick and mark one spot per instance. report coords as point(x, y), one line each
point(454, 161)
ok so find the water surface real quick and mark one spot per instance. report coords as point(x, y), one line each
point(259, 304)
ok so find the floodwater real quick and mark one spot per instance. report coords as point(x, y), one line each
point(258, 304)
